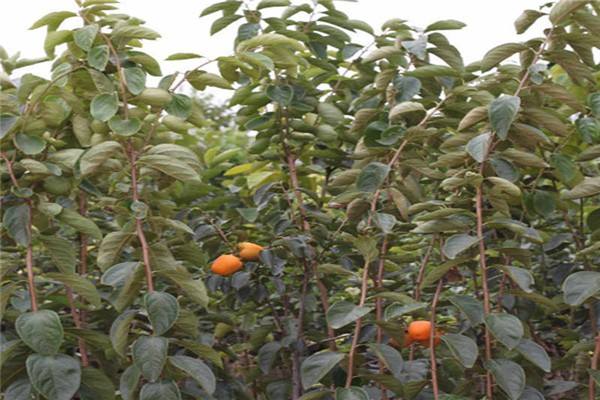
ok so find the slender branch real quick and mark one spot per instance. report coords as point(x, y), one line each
point(379, 307)
point(594, 366)
point(305, 225)
point(421, 273)
point(138, 222)
point(358, 325)
point(432, 337)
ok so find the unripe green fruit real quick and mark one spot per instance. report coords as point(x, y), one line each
point(302, 136)
point(154, 97)
point(57, 185)
point(259, 146)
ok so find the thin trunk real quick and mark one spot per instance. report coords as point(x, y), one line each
point(432, 335)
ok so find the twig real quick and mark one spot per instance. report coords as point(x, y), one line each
point(358, 325)
point(138, 222)
point(379, 308)
point(432, 337)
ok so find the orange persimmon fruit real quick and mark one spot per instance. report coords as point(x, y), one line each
point(249, 251)
point(226, 264)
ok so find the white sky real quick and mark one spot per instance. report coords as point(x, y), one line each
point(489, 23)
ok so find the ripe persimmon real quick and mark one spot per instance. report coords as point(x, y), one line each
point(249, 251)
point(437, 339)
point(419, 330)
point(226, 264)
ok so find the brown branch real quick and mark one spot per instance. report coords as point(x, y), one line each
point(432, 337)
point(358, 325)
point(138, 222)
point(594, 366)
point(305, 226)
point(421, 273)
point(379, 307)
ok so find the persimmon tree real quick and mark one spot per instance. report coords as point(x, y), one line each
point(387, 181)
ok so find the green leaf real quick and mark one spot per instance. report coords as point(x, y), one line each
point(535, 353)
point(180, 106)
point(396, 310)
point(193, 288)
point(372, 177)
point(111, 247)
point(104, 106)
point(223, 22)
point(282, 94)
point(124, 32)
point(29, 144)
point(342, 313)
point(502, 113)
point(149, 355)
point(500, 53)
point(589, 129)
point(135, 78)
point(55, 377)
point(7, 122)
point(351, 393)
point(580, 286)
point(588, 187)
point(522, 277)
point(404, 108)
point(79, 284)
point(390, 356)
point(505, 327)
point(478, 147)
point(267, 355)
point(197, 370)
point(316, 366)
point(130, 378)
point(162, 309)
point(182, 56)
point(462, 347)
point(16, 223)
point(526, 19)
point(272, 3)
point(20, 389)
point(444, 25)
point(458, 243)
point(432, 71)
point(381, 53)
point(95, 385)
point(564, 8)
point(80, 223)
point(52, 20)
point(330, 114)
point(509, 376)
point(228, 7)
point(167, 165)
point(84, 37)
point(163, 390)
point(41, 330)
point(594, 103)
point(124, 127)
point(119, 331)
point(470, 306)
point(98, 56)
point(54, 39)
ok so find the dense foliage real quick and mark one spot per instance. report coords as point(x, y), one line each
point(387, 182)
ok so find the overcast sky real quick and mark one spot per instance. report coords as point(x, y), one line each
point(489, 23)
